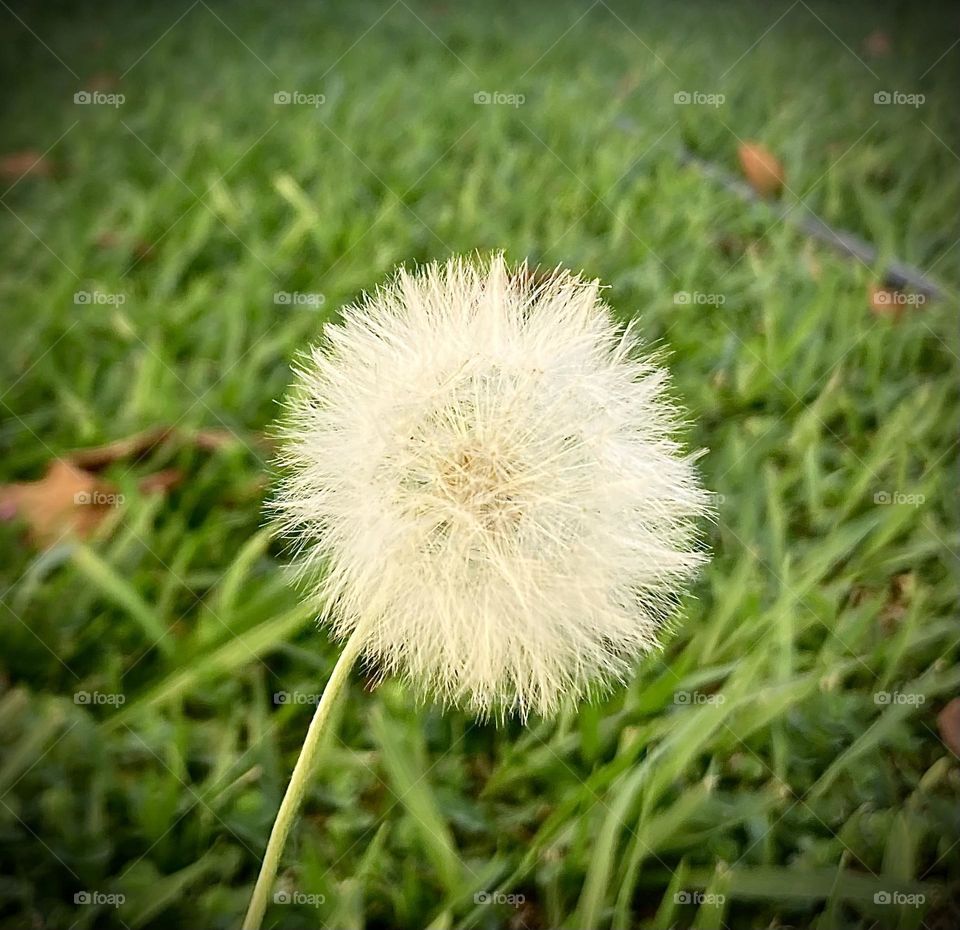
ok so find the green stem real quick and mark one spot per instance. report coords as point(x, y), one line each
point(298, 782)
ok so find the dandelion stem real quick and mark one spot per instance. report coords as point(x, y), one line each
point(298, 782)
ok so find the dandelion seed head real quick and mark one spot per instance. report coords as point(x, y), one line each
point(482, 477)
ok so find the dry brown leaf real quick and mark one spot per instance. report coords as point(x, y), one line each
point(71, 498)
point(213, 439)
point(65, 500)
point(140, 445)
point(135, 446)
point(29, 162)
point(948, 722)
point(761, 168)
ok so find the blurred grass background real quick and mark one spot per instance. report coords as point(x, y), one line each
point(754, 775)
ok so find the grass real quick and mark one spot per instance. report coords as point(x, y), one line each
point(749, 777)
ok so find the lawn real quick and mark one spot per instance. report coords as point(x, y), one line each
point(172, 244)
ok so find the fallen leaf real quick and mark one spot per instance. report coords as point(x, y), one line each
point(72, 498)
point(761, 168)
point(213, 439)
point(65, 500)
point(140, 445)
point(29, 162)
point(948, 722)
point(135, 447)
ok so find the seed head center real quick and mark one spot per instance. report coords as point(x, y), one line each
point(479, 480)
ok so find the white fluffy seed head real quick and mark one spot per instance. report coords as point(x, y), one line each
point(481, 478)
